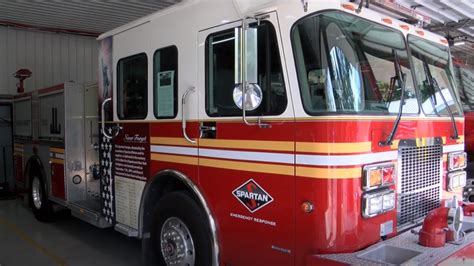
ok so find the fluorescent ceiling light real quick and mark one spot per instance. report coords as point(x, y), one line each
point(459, 43)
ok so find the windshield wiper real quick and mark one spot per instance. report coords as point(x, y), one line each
point(434, 85)
point(401, 80)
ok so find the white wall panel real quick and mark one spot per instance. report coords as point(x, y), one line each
point(53, 58)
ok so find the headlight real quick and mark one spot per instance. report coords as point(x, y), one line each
point(378, 175)
point(388, 201)
point(456, 180)
point(457, 161)
point(377, 202)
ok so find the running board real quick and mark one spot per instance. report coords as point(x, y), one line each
point(126, 230)
point(92, 217)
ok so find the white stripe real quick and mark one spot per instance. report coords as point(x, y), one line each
point(18, 150)
point(451, 148)
point(339, 160)
point(320, 160)
point(59, 155)
point(174, 150)
point(249, 156)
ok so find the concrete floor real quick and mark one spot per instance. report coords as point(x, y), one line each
point(65, 241)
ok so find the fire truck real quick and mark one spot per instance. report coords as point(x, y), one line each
point(259, 132)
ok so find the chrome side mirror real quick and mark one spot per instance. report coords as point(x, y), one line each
point(253, 96)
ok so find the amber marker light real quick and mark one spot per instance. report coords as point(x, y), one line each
point(348, 7)
point(387, 20)
point(307, 207)
point(456, 161)
point(405, 27)
point(378, 175)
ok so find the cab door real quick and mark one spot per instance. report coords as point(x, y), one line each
point(247, 170)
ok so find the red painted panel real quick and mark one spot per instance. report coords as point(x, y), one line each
point(57, 181)
point(336, 225)
point(464, 256)
point(248, 236)
point(469, 129)
point(19, 176)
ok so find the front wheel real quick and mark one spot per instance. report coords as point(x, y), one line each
point(42, 208)
point(180, 233)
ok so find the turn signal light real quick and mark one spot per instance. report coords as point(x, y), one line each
point(456, 161)
point(378, 175)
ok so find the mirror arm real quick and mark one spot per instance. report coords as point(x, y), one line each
point(243, 62)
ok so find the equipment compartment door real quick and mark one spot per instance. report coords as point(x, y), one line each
point(247, 171)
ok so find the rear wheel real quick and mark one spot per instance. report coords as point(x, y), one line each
point(180, 234)
point(42, 208)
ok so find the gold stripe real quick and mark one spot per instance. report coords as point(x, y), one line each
point(445, 157)
point(24, 236)
point(56, 150)
point(444, 140)
point(248, 144)
point(174, 159)
point(395, 144)
point(250, 167)
point(170, 141)
point(328, 173)
point(326, 147)
point(18, 145)
point(312, 172)
point(58, 161)
point(461, 139)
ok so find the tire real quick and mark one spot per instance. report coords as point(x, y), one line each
point(42, 207)
point(180, 227)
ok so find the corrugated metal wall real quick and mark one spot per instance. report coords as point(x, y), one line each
point(53, 58)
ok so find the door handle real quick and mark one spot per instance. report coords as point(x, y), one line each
point(183, 114)
point(208, 130)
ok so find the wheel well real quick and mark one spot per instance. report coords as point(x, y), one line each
point(34, 165)
point(161, 185)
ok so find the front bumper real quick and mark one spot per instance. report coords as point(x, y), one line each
point(404, 244)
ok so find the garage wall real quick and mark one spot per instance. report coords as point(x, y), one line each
point(52, 57)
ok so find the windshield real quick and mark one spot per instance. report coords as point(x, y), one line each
point(346, 64)
point(434, 75)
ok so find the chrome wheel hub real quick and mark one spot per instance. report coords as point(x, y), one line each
point(177, 245)
point(36, 192)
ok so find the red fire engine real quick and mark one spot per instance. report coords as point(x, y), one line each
point(258, 133)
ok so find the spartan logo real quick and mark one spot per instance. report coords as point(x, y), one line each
point(252, 196)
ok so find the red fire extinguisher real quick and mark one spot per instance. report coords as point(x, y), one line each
point(21, 75)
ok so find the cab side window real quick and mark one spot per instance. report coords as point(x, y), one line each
point(132, 82)
point(220, 73)
point(165, 82)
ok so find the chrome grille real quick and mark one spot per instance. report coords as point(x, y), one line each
point(419, 186)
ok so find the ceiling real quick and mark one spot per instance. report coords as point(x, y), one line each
point(450, 18)
point(87, 17)
point(453, 19)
